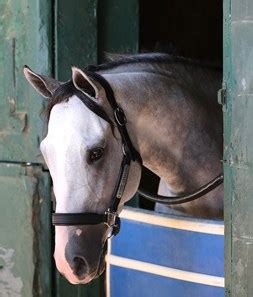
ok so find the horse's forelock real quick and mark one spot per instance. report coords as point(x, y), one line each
point(67, 90)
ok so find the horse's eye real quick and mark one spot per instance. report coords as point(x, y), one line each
point(95, 154)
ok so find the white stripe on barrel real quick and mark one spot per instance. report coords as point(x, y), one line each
point(188, 276)
point(189, 224)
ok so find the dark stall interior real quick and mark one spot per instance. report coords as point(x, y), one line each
point(191, 29)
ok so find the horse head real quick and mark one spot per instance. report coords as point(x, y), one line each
point(83, 152)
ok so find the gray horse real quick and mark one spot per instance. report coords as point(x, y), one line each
point(174, 121)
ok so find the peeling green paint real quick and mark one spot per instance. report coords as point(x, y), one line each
point(10, 285)
point(26, 38)
point(238, 147)
point(25, 248)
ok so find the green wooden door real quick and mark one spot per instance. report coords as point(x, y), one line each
point(238, 153)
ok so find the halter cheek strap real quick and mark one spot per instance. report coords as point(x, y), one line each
point(110, 217)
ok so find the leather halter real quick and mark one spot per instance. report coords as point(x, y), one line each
point(110, 217)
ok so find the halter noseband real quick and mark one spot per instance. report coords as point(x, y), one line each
point(110, 217)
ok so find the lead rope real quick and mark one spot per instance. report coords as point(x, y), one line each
point(187, 197)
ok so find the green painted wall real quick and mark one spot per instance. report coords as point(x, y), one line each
point(25, 228)
point(238, 147)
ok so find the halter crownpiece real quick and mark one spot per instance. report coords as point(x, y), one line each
point(110, 218)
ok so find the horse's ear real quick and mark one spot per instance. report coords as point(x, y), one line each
point(84, 83)
point(42, 84)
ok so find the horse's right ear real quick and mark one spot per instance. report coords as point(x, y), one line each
point(42, 84)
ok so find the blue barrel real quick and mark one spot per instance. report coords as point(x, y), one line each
point(158, 255)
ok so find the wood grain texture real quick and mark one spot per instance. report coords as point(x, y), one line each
point(238, 152)
point(25, 39)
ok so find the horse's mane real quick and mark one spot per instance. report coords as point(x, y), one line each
point(117, 60)
point(67, 89)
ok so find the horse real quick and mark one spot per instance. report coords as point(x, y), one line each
point(174, 122)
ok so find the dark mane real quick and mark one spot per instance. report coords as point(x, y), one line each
point(66, 90)
point(151, 58)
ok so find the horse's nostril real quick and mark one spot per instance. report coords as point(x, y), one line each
point(80, 267)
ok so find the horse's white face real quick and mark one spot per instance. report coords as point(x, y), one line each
point(82, 182)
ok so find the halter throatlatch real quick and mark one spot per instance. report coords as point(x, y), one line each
point(110, 217)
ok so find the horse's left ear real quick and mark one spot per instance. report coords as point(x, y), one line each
point(85, 84)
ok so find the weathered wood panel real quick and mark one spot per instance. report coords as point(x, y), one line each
point(75, 31)
point(25, 228)
point(118, 27)
point(25, 34)
point(238, 153)
point(25, 237)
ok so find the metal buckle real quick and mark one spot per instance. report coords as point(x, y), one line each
point(120, 116)
point(111, 218)
point(113, 223)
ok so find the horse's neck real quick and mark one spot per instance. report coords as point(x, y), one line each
point(177, 137)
